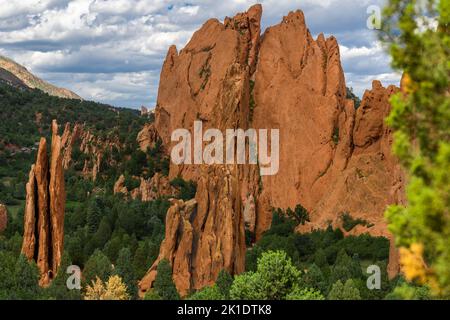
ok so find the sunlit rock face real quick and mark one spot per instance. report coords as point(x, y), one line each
point(43, 237)
point(333, 158)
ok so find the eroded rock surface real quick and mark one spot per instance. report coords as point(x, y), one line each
point(92, 147)
point(333, 158)
point(44, 209)
point(209, 80)
point(147, 137)
point(150, 189)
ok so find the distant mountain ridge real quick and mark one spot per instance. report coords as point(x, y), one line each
point(17, 75)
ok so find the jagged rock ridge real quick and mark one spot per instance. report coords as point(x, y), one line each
point(151, 189)
point(43, 237)
point(94, 148)
point(333, 158)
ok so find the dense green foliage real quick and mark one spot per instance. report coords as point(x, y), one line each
point(208, 293)
point(27, 115)
point(102, 230)
point(323, 258)
point(187, 188)
point(418, 36)
point(164, 286)
point(320, 247)
point(347, 291)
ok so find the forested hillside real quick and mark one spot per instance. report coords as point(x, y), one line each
point(101, 229)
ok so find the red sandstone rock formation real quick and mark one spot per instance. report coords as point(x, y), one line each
point(177, 246)
point(147, 137)
point(3, 218)
point(333, 158)
point(209, 80)
point(89, 144)
point(44, 210)
point(156, 187)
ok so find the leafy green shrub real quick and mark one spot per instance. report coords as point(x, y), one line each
point(305, 294)
point(207, 293)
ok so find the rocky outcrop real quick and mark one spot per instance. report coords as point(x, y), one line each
point(156, 187)
point(151, 189)
point(68, 140)
point(92, 147)
point(177, 246)
point(119, 186)
point(3, 218)
point(209, 80)
point(204, 235)
point(333, 158)
point(44, 209)
point(147, 137)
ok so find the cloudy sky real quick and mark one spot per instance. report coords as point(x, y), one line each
point(112, 50)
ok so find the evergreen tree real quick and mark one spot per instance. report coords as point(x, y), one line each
point(305, 294)
point(347, 291)
point(125, 270)
point(7, 274)
point(224, 282)
point(98, 265)
point(164, 285)
point(320, 259)
point(274, 279)
point(314, 278)
point(247, 286)
point(94, 215)
point(278, 275)
point(103, 234)
point(26, 281)
point(208, 293)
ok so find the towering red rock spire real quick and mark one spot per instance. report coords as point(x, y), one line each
point(208, 80)
point(44, 210)
point(333, 158)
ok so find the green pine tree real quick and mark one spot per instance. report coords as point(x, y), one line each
point(164, 286)
point(125, 270)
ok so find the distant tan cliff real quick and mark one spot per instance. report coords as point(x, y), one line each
point(33, 82)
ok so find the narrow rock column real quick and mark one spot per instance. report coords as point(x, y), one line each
point(44, 210)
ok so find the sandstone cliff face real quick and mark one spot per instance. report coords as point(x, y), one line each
point(3, 218)
point(44, 210)
point(333, 158)
point(208, 80)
